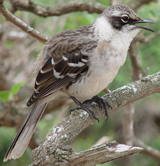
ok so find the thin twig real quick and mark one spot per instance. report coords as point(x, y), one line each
point(23, 26)
point(152, 36)
point(135, 5)
point(154, 153)
point(7, 111)
point(62, 114)
point(145, 39)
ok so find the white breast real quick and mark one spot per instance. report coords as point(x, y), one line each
point(105, 60)
point(104, 65)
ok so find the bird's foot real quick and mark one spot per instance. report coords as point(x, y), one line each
point(103, 104)
point(85, 107)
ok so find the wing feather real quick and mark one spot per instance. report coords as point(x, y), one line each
point(66, 57)
point(48, 90)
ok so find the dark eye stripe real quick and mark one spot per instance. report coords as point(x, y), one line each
point(118, 23)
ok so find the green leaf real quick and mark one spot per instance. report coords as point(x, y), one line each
point(15, 88)
point(9, 44)
point(4, 96)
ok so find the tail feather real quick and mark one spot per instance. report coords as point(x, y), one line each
point(25, 132)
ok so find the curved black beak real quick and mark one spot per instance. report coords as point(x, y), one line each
point(144, 21)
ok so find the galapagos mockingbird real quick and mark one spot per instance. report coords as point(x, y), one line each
point(80, 63)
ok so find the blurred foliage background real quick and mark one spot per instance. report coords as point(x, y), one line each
point(17, 55)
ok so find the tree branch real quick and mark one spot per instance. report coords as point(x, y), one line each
point(154, 153)
point(129, 109)
point(23, 26)
point(145, 39)
point(75, 157)
point(57, 10)
point(135, 5)
point(128, 131)
point(135, 61)
point(102, 153)
point(64, 133)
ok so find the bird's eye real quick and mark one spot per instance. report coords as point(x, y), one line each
point(125, 19)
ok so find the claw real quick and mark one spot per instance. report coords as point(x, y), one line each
point(85, 106)
point(101, 103)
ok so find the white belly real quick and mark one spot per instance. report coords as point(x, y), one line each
point(87, 87)
point(99, 78)
point(102, 71)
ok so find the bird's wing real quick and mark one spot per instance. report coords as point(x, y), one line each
point(67, 59)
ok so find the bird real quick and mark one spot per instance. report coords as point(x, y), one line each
point(79, 63)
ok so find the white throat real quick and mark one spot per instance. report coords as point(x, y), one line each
point(118, 38)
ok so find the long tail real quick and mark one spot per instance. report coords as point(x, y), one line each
point(25, 132)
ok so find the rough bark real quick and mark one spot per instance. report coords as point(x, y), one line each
point(60, 9)
point(58, 141)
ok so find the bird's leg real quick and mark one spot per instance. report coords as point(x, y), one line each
point(84, 106)
point(103, 104)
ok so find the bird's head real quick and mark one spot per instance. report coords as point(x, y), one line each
point(122, 17)
point(121, 20)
